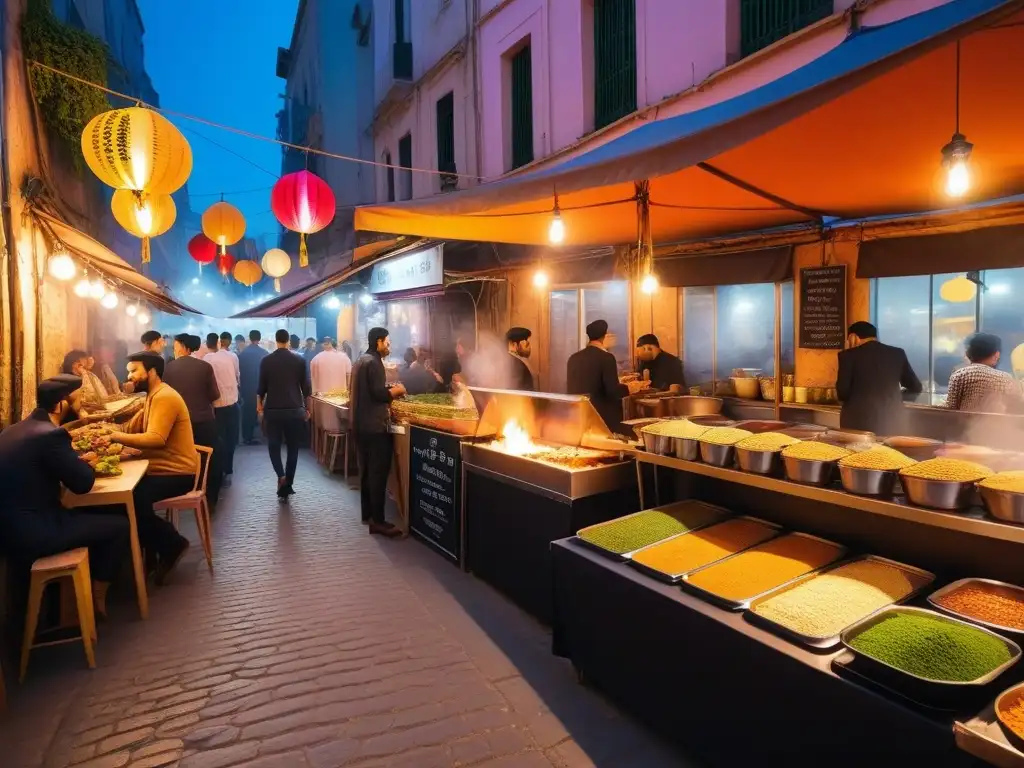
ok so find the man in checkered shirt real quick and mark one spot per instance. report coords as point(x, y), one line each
point(979, 386)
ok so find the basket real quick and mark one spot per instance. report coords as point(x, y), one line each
point(768, 387)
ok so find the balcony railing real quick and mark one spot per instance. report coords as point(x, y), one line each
point(763, 22)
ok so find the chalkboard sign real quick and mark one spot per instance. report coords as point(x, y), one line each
point(823, 307)
point(435, 501)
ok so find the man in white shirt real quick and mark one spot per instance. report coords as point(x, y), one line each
point(329, 370)
point(225, 370)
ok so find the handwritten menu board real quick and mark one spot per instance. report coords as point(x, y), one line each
point(435, 504)
point(823, 307)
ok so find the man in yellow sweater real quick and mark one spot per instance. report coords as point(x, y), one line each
point(163, 431)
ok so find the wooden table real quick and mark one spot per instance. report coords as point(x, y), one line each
point(118, 490)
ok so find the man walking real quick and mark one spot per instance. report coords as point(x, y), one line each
point(249, 371)
point(370, 399)
point(283, 399)
point(225, 408)
point(329, 370)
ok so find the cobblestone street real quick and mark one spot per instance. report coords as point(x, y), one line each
point(314, 645)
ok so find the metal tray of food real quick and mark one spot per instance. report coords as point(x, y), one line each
point(923, 684)
point(828, 643)
point(999, 587)
point(724, 513)
point(742, 605)
point(673, 578)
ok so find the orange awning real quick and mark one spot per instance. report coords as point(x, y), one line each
point(857, 132)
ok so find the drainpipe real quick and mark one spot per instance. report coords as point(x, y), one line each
point(473, 19)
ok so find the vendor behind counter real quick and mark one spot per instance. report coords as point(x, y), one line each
point(662, 369)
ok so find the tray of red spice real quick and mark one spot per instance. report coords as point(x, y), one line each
point(989, 603)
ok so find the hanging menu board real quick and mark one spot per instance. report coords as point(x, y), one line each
point(435, 503)
point(823, 307)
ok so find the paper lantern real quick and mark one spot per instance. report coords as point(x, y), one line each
point(224, 224)
point(137, 149)
point(303, 203)
point(202, 249)
point(248, 272)
point(276, 264)
point(225, 263)
point(958, 290)
point(145, 215)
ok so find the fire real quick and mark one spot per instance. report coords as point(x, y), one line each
point(516, 441)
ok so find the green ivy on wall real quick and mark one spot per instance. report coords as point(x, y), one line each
point(66, 106)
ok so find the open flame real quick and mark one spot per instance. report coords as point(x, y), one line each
point(516, 441)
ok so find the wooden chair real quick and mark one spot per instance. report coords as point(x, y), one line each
point(335, 431)
point(194, 501)
point(74, 565)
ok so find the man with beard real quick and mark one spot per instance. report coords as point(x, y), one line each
point(518, 374)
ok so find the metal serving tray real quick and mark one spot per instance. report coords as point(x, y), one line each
point(724, 515)
point(999, 587)
point(890, 671)
point(673, 578)
point(742, 605)
point(827, 643)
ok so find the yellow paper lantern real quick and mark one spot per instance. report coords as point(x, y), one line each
point(137, 149)
point(224, 224)
point(144, 216)
point(248, 273)
point(276, 264)
point(958, 290)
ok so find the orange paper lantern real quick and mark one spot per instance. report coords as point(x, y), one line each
point(224, 224)
point(248, 273)
point(144, 216)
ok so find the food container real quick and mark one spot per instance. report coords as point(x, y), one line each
point(747, 388)
point(809, 471)
point(659, 444)
point(916, 448)
point(1002, 504)
point(637, 426)
point(938, 494)
point(990, 585)
point(690, 405)
point(847, 436)
point(759, 462)
point(767, 387)
point(800, 394)
point(935, 692)
point(1005, 700)
point(652, 407)
point(788, 394)
point(758, 426)
point(713, 421)
point(686, 448)
point(920, 578)
point(717, 455)
point(690, 515)
point(868, 482)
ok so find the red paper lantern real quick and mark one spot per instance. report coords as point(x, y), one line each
point(225, 263)
point(303, 203)
point(202, 249)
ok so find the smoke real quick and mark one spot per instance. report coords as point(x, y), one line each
point(490, 365)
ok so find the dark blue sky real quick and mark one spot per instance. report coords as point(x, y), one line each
point(216, 59)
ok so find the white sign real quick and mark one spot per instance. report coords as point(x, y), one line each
point(420, 269)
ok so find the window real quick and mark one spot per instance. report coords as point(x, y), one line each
point(733, 326)
point(614, 60)
point(389, 177)
point(446, 142)
point(571, 310)
point(400, 28)
point(762, 22)
point(405, 163)
point(522, 107)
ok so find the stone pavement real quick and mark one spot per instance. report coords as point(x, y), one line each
point(315, 645)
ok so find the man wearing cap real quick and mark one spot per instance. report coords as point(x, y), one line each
point(370, 416)
point(36, 460)
point(518, 374)
point(662, 369)
point(592, 371)
point(329, 370)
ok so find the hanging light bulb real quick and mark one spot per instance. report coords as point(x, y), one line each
point(62, 266)
point(955, 157)
point(83, 287)
point(109, 300)
point(366, 299)
point(333, 302)
point(556, 230)
point(649, 284)
point(97, 290)
point(142, 317)
point(540, 279)
point(132, 309)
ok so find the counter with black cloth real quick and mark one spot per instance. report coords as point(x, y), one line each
point(725, 689)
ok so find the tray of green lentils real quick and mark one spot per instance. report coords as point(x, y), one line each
point(621, 537)
point(928, 656)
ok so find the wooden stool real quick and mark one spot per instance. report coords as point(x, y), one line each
point(194, 501)
point(73, 564)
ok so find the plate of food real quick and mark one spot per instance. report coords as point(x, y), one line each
point(103, 466)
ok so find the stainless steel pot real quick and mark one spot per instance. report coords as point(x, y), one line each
point(717, 455)
point(693, 405)
point(759, 462)
point(686, 448)
point(938, 494)
point(1005, 505)
point(868, 482)
point(808, 471)
point(659, 444)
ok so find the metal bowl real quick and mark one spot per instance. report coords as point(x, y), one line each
point(748, 389)
point(717, 455)
point(938, 494)
point(694, 405)
point(1004, 505)
point(868, 482)
point(809, 471)
point(759, 462)
point(713, 421)
point(917, 448)
point(685, 448)
point(659, 444)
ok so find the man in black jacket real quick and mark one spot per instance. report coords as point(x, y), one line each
point(872, 379)
point(518, 376)
point(283, 400)
point(592, 371)
point(370, 413)
point(36, 459)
